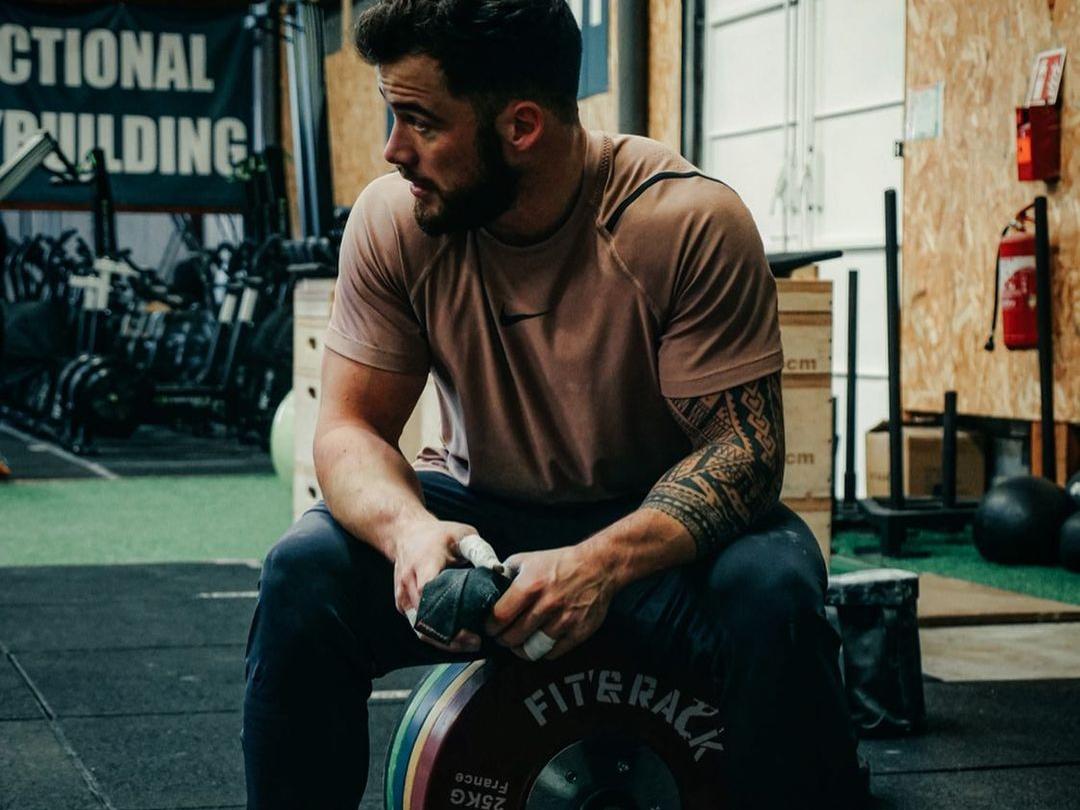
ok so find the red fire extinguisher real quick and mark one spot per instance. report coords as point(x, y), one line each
point(1014, 286)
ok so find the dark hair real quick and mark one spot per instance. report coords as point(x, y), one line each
point(490, 50)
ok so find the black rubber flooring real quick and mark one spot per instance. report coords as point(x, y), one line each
point(121, 687)
point(151, 450)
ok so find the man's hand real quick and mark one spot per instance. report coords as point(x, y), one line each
point(563, 591)
point(421, 556)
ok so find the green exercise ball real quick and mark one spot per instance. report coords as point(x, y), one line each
point(281, 439)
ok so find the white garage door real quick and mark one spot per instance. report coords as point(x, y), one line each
point(803, 103)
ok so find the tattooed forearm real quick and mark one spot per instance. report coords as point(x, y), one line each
point(737, 467)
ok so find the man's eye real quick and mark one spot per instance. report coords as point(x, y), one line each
point(420, 126)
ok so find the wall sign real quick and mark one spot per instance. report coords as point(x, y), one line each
point(925, 112)
point(165, 92)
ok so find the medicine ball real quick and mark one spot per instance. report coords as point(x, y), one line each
point(1018, 521)
point(1069, 550)
point(282, 453)
point(1073, 490)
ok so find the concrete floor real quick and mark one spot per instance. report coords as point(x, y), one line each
point(120, 688)
point(1003, 652)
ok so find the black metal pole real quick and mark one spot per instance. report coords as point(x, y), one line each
point(311, 130)
point(268, 66)
point(633, 48)
point(104, 211)
point(275, 175)
point(852, 377)
point(892, 295)
point(832, 458)
point(1044, 307)
point(693, 73)
point(948, 452)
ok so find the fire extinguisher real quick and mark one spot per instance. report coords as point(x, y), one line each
point(1014, 286)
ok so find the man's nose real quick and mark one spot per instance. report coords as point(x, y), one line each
point(398, 150)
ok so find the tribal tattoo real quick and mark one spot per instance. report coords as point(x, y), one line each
point(736, 469)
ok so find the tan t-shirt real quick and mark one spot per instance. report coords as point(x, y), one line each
point(553, 361)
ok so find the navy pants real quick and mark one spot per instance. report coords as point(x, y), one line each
point(751, 620)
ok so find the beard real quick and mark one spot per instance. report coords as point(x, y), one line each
point(473, 205)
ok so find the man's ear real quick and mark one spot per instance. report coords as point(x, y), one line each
point(521, 125)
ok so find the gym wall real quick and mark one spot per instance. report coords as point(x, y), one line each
point(357, 113)
point(961, 190)
point(665, 71)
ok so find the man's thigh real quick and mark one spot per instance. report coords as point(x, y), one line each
point(687, 620)
point(322, 563)
point(513, 526)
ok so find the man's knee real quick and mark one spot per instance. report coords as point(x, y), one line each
point(773, 578)
point(306, 562)
point(319, 582)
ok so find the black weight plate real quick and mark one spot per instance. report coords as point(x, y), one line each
point(112, 400)
point(63, 380)
point(489, 743)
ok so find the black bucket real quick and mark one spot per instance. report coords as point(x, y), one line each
point(881, 657)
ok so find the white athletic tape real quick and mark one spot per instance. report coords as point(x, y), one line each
point(479, 552)
point(410, 614)
point(538, 645)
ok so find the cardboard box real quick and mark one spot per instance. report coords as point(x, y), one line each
point(922, 462)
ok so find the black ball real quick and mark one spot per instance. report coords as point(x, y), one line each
point(1069, 550)
point(1073, 490)
point(1018, 520)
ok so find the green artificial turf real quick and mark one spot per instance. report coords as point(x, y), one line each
point(97, 521)
point(955, 556)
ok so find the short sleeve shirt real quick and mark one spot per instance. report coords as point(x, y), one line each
point(553, 361)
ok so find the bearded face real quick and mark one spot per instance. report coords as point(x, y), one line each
point(482, 196)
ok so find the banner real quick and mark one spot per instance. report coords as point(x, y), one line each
point(165, 91)
point(592, 17)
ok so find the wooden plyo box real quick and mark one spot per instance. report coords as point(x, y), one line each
point(805, 308)
point(312, 299)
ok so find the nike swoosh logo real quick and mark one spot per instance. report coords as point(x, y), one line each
point(506, 319)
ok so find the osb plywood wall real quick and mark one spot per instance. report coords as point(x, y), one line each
point(665, 72)
point(357, 118)
point(960, 191)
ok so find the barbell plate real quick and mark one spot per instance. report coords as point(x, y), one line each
point(421, 701)
point(444, 717)
point(490, 737)
point(462, 673)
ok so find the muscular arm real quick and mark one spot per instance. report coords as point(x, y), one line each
point(736, 469)
point(368, 485)
point(731, 477)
